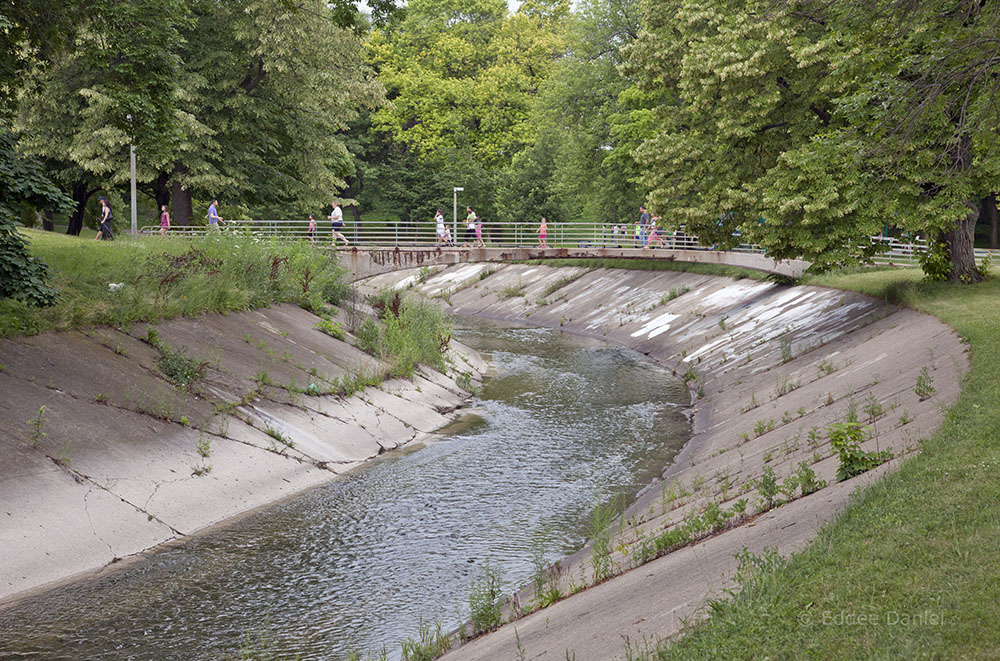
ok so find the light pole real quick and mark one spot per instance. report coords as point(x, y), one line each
point(454, 213)
point(135, 224)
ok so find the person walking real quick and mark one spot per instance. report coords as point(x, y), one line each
point(337, 220)
point(311, 232)
point(104, 220)
point(470, 226)
point(439, 227)
point(164, 220)
point(479, 233)
point(644, 221)
point(213, 216)
point(543, 231)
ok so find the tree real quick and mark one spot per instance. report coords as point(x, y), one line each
point(808, 126)
point(578, 164)
point(461, 76)
point(30, 31)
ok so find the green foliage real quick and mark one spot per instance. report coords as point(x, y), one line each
point(807, 479)
point(601, 534)
point(180, 369)
point(924, 387)
point(846, 439)
point(37, 425)
point(429, 645)
point(411, 333)
point(804, 132)
point(332, 328)
point(165, 278)
point(484, 599)
point(767, 487)
point(23, 277)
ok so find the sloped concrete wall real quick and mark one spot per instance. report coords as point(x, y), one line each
point(770, 367)
point(118, 463)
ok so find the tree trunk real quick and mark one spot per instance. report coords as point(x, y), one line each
point(47, 224)
point(80, 196)
point(355, 185)
point(182, 205)
point(991, 213)
point(161, 192)
point(960, 245)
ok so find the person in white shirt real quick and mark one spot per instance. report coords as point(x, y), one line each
point(337, 218)
point(439, 220)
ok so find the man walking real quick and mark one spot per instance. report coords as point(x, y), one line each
point(644, 221)
point(337, 218)
point(213, 216)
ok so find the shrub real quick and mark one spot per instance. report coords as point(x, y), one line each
point(484, 600)
point(846, 439)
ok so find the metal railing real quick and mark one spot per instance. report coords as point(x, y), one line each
point(382, 234)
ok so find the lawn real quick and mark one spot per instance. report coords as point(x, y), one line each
point(151, 278)
point(909, 570)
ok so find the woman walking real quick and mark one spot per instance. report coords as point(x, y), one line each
point(311, 232)
point(164, 220)
point(543, 231)
point(104, 231)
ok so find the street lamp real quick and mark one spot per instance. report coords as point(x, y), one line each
point(135, 224)
point(454, 211)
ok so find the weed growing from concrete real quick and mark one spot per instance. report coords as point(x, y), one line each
point(872, 408)
point(767, 488)
point(430, 644)
point(204, 445)
point(331, 328)
point(786, 349)
point(846, 439)
point(807, 479)
point(36, 424)
point(484, 600)
point(762, 427)
point(825, 368)
point(905, 418)
point(924, 387)
point(785, 385)
point(600, 534)
point(179, 369)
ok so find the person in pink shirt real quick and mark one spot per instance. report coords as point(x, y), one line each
point(543, 231)
point(164, 220)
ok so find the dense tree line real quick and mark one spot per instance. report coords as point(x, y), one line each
point(804, 126)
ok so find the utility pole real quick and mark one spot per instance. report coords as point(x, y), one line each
point(135, 224)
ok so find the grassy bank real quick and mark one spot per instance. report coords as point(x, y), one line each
point(161, 278)
point(908, 570)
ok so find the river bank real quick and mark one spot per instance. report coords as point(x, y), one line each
point(771, 368)
point(106, 457)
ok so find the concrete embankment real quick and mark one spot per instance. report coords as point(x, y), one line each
point(101, 457)
point(770, 367)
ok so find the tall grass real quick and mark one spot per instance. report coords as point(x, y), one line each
point(410, 333)
point(161, 278)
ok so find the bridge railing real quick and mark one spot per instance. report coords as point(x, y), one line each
point(516, 234)
point(495, 234)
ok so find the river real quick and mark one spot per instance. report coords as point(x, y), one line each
point(566, 422)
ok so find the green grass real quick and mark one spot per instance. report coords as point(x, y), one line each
point(169, 277)
point(915, 555)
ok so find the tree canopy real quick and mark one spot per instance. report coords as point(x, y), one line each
point(807, 127)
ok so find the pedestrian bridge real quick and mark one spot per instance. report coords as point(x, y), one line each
point(364, 262)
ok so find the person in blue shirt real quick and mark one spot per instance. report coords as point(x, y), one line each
point(213, 216)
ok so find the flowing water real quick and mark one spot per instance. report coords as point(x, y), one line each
point(354, 565)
